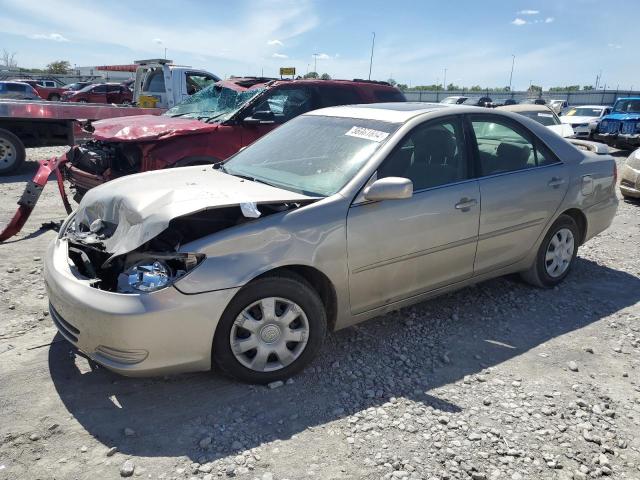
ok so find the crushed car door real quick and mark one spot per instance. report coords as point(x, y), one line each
point(401, 248)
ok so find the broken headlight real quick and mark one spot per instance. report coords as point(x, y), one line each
point(151, 274)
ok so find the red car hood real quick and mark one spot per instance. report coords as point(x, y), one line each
point(148, 127)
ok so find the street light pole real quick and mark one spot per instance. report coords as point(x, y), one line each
point(444, 81)
point(373, 42)
point(513, 61)
point(315, 62)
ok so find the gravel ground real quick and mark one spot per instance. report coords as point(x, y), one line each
point(496, 381)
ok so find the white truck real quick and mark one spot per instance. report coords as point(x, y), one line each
point(167, 83)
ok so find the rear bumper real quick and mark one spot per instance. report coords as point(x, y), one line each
point(164, 332)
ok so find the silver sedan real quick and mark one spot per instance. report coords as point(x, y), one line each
point(338, 216)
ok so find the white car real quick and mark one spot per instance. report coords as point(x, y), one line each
point(543, 115)
point(585, 118)
point(558, 105)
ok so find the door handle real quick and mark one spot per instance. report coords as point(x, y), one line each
point(465, 204)
point(555, 182)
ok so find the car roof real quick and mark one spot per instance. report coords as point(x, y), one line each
point(589, 106)
point(251, 82)
point(393, 112)
point(525, 107)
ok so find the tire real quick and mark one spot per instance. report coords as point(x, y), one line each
point(542, 273)
point(54, 98)
point(12, 153)
point(270, 337)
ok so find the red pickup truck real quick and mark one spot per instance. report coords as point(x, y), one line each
point(47, 92)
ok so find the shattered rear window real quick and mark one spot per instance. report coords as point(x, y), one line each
point(213, 102)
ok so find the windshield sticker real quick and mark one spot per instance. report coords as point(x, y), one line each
point(367, 134)
point(547, 115)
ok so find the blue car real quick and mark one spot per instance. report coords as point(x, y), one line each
point(621, 128)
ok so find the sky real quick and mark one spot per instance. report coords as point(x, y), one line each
point(555, 42)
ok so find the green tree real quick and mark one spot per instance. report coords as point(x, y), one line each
point(403, 86)
point(534, 89)
point(325, 76)
point(453, 86)
point(476, 88)
point(312, 75)
point(392, 82)
point(587, 87)
point(59, 66)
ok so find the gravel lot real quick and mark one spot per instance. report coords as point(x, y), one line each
point(496, 381)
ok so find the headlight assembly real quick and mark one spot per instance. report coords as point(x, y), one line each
point(155, 272)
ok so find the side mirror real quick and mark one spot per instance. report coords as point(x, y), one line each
point(261, 117)
point(389, 188)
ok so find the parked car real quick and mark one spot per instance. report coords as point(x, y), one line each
point(454, 100)
point(17, 91)
point(209, 127)
point(534, 101)
point(510, 101)
point(621, 127)
point(50, 91)
point(585, 119)
point(630, 176)
point(75, 86)
point(247, 264)
point(99, 93)
point(543, 115)
point(558, 105)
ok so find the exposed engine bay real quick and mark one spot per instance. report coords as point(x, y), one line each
point(157, 262)
point(103, 158)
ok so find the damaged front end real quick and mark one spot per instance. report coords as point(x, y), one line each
point(158, 263)
point(97, 162)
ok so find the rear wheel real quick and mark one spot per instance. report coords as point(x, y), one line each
point(556, 254)
point(271, 329)
point(12, 153)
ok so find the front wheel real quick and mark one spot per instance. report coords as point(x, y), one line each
point(54, 98)
point(270, 330)
point(556, 254)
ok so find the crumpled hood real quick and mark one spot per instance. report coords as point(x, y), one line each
point(141, 206)
point(577, 119)
point(148, 127)
point(622, 116)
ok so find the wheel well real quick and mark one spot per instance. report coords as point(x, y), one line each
point(580, 220)
point(320, 283)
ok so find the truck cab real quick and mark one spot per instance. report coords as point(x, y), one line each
point(167, 83)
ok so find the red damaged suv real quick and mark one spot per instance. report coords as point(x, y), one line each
point(209, 127)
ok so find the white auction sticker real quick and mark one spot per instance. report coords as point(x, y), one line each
point(367, 134)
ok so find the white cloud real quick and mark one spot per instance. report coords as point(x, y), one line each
point(614, 45)
point(518, 21)
point(275, 42)
point(280, 55)
point(323, 56)
point(54, 37)
point(158, 41)
point(528, 12)
point(549, 20)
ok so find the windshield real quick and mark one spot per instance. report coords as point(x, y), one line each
point(215, 101)
point(627, 106)
point(584, 112)
point(311, 154)
point(545, 118)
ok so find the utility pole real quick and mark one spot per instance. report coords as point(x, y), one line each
point(315, 62)
point(513, 62)
point(165, 53)
point(444, 82)
point(373, 42)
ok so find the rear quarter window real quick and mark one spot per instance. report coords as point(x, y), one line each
point(332, 96)
point(389, 95)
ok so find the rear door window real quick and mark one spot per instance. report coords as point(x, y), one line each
point(16, 88)
point(389, 95)
point(506, 147)
point(333, 95)
point(99, 89)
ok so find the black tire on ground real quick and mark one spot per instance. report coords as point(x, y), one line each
point(12, 153)
point(289, 287)
point(54, 97)
point(537, 275)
